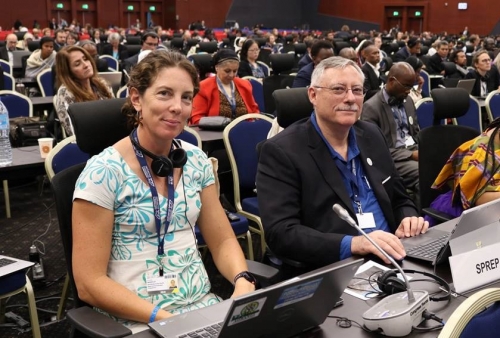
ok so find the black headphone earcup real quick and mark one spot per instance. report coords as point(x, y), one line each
point(162, 166)
point(389, 283)
point(178, 157)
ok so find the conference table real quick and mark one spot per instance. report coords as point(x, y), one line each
point(26, 162)
point(353, 308)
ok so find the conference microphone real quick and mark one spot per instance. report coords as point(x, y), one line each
point(396, 314)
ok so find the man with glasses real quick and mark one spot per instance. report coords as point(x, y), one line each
point(149, 41)
point(10, 46)
point(332, 157)
point(394, 112)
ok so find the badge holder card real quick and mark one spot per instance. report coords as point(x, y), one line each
point(475, 268)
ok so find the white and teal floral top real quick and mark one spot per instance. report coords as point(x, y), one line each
point(109, 182)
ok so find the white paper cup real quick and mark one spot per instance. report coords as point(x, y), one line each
point(45, 144)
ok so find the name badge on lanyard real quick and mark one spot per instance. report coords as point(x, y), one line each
point(231, 99)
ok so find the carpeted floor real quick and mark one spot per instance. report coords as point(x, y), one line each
point(34, 218)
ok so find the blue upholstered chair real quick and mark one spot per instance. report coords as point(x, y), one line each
point(493, 104)
point(477, 316)
point(240, 227)
point(240, 139)
point(424, 109)
point(112, 62)
point(426, 87)
point(45, 82)
point(64, 155)
point(9, 81)
point(122, 92)
point(473, 116)
point(257, 92)
point(7, 68)
point(17, 104)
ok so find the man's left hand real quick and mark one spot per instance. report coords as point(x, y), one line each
point(412, 226)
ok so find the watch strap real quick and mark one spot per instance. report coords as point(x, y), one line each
point(247, 275)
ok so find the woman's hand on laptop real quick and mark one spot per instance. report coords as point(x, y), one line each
point(241, 287)
point(412, 226)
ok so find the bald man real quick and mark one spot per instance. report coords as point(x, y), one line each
point(349, 53)
point(394, 112)
point(10, 46)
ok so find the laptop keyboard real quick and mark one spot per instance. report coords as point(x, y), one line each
point(209, 331)
point(5, 262)
point(429, 250)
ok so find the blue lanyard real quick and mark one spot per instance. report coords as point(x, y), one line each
point(154, 193)
point(232, 99)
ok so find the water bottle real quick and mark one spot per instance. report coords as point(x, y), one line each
point(5, 147)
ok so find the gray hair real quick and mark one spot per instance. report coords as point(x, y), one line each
point(335, 62)
point(114, 36)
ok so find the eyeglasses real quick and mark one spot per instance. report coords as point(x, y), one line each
point(254, 50)
point(406, 87)
point(342, 90)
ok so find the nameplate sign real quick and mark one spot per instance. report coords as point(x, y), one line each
point(475, 268)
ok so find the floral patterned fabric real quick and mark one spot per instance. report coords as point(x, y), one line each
point(108, 181)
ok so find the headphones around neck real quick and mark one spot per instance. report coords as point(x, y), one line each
point(163, 166)
point(395, 102)
point(389, 283)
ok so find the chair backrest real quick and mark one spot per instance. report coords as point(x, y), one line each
point(438, 142)
point(426, 87)
point(477, 316)
point(266, 67)
point(133, 40)
point(122, 92)
point(112, 62)
point(98, 124)
point(33, 45)
point(281, 63)
point(265, 56)
point(63, 186)
point(424, 109)
point(241, 137)
point(257, 92)
point(6, 66)
point(17, 104)
point(208, 47)
point(45, 83)
point(9, 82)
point(203, 63)
point(300, 48)
point(191, 136)
point(292, 105)
point(492, 104)
point(473, 116)
point(133, 49)
point(64, 155)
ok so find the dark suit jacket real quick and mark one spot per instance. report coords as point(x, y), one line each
point(130, 62)
point(2, 81)
point(378, 111)
point(303, 78)
point(298, 182)
point(435, 65)
point(246, 70)
point(492, 80)
point(107, 49)
point(304, 61)
point(402, 54)
point(4, 55)
point(372, 81)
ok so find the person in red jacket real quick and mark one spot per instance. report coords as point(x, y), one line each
point(224, 94)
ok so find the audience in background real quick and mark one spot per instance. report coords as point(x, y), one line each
point(306, 59)
point(114, 48)
point(224, 94)
point(42, 58)
point(78, 82)
point(393, 111)
point(90, 46)
point(248, 61)
point(320, 50)
point(412, 48)
point(416, 91)
point(460, 60)
point(59, 39)
point(486, 74)
point(149, 41)
point(72, 38)
point(10, 46)
point(373, 81)
point(435, 65)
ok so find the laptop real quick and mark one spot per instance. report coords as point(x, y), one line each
point(114, 79)
point(10, 265)
point(467, 84)
point(460, 234)
point(17, 56)
point(281, 310)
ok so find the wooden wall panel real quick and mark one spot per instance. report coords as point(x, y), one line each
point(442, 15)
point(213, 12)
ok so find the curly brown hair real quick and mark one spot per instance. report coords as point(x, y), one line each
point(145, 72)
